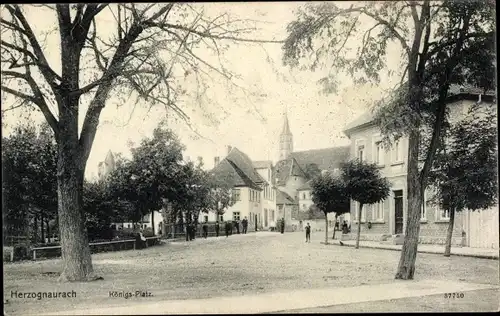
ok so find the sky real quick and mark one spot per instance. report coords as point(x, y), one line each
point(249, 119)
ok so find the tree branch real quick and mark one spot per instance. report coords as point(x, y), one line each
point(390, 27)
point(207, 34)
point(49, 74)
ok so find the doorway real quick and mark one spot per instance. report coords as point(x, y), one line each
point(398, 211)
point(265, 217)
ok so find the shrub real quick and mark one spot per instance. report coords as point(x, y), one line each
point(21, 252)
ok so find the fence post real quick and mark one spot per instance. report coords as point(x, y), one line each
point(134, 243)
point(34, 254)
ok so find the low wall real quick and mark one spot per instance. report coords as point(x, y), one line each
point(116, 245)
point(434, 240)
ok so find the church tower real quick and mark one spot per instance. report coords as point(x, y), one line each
point(286, 140)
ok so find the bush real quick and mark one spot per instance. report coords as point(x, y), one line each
point(6, 253)
point(21, 252)
point(148, 232)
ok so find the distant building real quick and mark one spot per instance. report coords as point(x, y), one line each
point(107, 166)
point(250, 188)
point(292, 179)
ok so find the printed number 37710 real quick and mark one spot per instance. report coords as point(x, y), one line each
point(453, 295)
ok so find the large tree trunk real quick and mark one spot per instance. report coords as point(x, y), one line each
point(358, 234)
point(449, 233)
point(77, 261)
point(406, 267)
point(326, 228)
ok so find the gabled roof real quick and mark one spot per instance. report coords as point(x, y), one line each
point(286, 168)
point(236, 170)
point(284, 198)
point(244, 163)
point(263, 164)
point(362, 120)
point(305, 186)
point(325, 158)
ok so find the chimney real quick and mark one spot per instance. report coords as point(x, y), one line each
point(216, 161)
point(229, 149)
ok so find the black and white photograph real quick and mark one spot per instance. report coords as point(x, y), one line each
point(249, 157)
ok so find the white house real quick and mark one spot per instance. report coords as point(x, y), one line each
point(389, 217)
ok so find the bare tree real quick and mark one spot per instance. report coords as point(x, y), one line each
point(149, 50)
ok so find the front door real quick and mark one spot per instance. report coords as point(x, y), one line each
point(265, 217)
point(398, 212)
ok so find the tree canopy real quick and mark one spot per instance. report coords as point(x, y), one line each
point(29, 185)
point(465, 171)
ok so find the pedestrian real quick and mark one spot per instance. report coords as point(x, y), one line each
point(344, 228)
point(227, 227)
point(282, 225)
point(217, 229)
point(205, 230)
point(188, 232)
point(237, 224)
point(308, 233)
point(244, 224)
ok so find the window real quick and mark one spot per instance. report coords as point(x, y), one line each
point(423, 208)
point(379, 211)
point(444, 215)
point(363, 212)
point(379, 153)
point(398, 152)
point(206, 218)
point(236, 195)
point(361, 150)
point(236, 216)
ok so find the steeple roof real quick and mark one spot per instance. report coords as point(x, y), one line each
point(110, 159)
point(286, 126)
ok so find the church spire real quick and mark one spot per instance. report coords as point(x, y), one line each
point(286, 139)
point(286, 126)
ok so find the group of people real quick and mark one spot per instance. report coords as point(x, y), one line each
point(229, 227)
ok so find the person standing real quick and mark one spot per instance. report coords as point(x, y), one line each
point(228, 228)
point(244, 224)
point(308, 233)
point(283, 225)
point(217, 229)
point(205, 230)
point(237, 224)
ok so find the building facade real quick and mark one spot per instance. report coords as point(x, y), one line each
point(386, 219)
point(253, 193)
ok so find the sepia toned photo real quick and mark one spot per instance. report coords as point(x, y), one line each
point(249, 157)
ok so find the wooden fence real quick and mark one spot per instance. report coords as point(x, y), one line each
point(55, 251)
point(481, 228)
